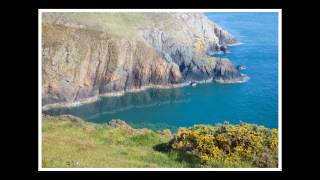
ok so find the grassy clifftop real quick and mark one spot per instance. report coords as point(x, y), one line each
point(82, 144)
point(122, 24)
point(70, 142)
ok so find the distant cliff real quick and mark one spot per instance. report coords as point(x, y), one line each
point(88, 54)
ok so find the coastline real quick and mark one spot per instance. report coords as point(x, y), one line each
point(135, 90)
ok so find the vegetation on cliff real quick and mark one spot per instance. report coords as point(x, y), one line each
point(243, 145)
point(68, 141)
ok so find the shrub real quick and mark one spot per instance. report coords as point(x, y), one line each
point(229, 145)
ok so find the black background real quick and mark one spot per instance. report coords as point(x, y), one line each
point(20, 79)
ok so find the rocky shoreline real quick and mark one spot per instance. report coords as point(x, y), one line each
point(121, 93)
point(82, 60)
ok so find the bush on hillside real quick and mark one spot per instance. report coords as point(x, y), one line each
point(243, 145)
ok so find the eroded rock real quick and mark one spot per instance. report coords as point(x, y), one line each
point(83, 59)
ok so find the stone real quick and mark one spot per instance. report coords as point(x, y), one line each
point(117, 123)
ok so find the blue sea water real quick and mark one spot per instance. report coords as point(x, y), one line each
point(255, 101)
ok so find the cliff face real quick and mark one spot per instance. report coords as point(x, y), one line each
point(187, 39)
point(87, 54)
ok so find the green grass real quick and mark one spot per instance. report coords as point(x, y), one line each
point(67, 142)
point(122, 24)
point(81, 144)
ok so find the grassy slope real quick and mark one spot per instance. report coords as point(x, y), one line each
point(65, 143)
point(76, 143)
point(122, 24)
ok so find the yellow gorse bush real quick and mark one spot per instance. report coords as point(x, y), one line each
point(229, 145)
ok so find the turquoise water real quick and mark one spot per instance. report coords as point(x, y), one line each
point(255, 101)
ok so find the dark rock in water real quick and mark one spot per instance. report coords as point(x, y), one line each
point(193, 84)
point(225, 72)
point(223, 48)
point(241, 67)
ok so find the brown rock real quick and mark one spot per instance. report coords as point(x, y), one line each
point(117, 123)
point(84, 58)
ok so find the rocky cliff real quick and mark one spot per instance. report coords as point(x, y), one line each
point(89, 54)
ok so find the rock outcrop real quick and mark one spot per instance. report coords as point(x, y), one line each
point(63, 117)
point(89, 54)
point(117, 123)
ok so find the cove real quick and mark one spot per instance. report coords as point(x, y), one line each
point(255, 101)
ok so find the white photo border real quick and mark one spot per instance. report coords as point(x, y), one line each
point(279, 11)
